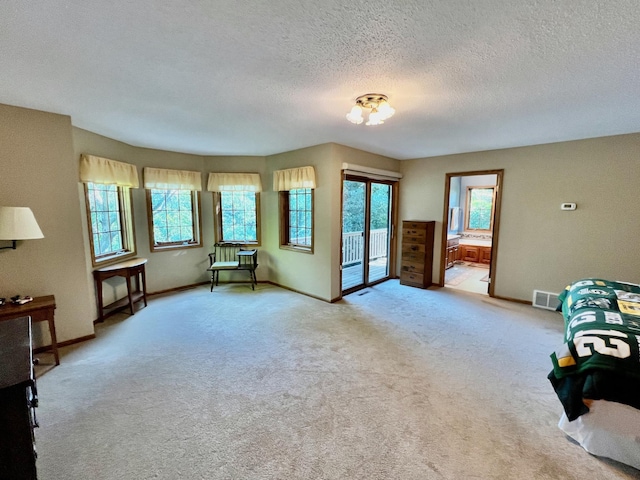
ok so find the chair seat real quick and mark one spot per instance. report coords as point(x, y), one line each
point(233, 257)
point(223, 265)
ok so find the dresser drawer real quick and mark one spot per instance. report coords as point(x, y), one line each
point(410, 239)
point(413, 248)
point(409, 277)
point(413, 232)
point(415, 257)
point(414, 225)
point(412, 268)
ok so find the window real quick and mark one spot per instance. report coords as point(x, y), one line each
point(296, 187)
point(296, 207)
point(107, 185)
point(237, 206)
point(174, 218)
point(480, 208)
point(237, 217)
point(110, 222)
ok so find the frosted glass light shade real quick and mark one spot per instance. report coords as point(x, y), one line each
point(386, 110)
point(375, 118)
point(355, 115)
point(379, 108)
point(18, 223)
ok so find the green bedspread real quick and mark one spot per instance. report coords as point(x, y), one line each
point(600, 357)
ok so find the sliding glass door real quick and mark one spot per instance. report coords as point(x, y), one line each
point(366, 231)
point(379, 231)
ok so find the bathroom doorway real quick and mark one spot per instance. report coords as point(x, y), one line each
point(471, 222)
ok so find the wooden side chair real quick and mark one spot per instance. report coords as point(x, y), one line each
point(232, 257)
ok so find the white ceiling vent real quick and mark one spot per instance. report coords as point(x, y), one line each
point(545, 300)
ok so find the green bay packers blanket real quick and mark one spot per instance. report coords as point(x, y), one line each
point(600, 359)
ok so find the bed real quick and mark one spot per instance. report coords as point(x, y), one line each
point(596, 372)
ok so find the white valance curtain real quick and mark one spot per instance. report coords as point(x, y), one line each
point(372, 173)
point(108, 172)
point(291, 178)
point(238, 182)
point(172, 179)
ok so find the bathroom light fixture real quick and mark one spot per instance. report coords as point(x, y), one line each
point(377, 103)
point(18, 223)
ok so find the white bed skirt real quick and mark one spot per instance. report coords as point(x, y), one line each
point(609, 430)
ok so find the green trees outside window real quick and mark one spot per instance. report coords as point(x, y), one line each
point(353, 206)
point(480, 208)
point(110, 221)
point(174, 218)
point(105, 218)
point(300, 217)
point(238, 217)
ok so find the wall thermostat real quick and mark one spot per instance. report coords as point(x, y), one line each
point(568, 206)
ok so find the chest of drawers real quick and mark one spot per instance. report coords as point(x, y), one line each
point(18, 400)
point(417, 253)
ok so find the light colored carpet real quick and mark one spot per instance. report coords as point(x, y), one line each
point(392, 383)
point(457, 274)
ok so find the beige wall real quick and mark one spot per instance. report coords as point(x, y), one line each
point(173, 268)
point(304, 272)
point(240, 164)
point(39, 171)
point(317, 274)
point(540, 246)
point(342, 155)
point(165, 270)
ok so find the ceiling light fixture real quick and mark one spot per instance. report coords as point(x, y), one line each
point(377, 103)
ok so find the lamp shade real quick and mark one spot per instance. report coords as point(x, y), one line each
point(18, 223)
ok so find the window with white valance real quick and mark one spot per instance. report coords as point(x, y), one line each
point(172, 179)
point(173, 207)
point(107, 172)
point(238, 182)
point(295, 187)
point(107, 185)
point(292, 178)
point(237, 206)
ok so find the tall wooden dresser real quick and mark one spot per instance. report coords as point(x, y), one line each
point(417, 253)
point(18, 399)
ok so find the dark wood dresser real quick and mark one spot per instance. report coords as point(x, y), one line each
point(417, 253)
point(18, 400)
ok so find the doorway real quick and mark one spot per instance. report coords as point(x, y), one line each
point(367, 219)
point(471, 223)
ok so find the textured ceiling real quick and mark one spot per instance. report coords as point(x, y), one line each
point(238, 77)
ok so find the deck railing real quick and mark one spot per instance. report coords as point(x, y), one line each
point(353, 246)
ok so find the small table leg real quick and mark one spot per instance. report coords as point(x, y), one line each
point(54, 340)
point(128, 278)
point(144, 285)
point(100, 304)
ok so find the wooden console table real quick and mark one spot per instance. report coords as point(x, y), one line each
point(41, 309)
point(127, 269)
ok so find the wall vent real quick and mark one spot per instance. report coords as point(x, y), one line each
point(546, 300)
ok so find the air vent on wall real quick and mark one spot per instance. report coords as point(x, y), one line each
point(546, 300)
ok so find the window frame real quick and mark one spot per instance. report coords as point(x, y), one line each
point(217, 213)
point(467, 214)
point(284, 204)
point(196, 209)
point(127, 229)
